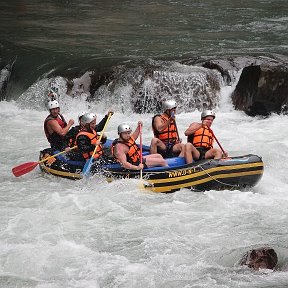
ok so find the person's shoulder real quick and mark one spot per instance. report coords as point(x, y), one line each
point(121, 146)
point(51, 121)
point(156, 117)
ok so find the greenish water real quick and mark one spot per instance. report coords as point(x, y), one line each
point(128, 29)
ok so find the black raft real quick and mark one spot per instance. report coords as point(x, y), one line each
point(230, 173)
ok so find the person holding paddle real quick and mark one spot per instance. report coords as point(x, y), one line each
point(200, 138)
point(73, 132)
point(127, 153)
point(88, 139)
point(166, 139)
point(55, 127)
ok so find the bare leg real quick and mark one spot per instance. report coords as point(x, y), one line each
point(155, 160)
point(155, 142)
point(179, 148)
point(191, 153)
point(213, 154)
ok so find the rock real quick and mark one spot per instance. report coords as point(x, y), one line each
point(262, 90)
point(260, 258)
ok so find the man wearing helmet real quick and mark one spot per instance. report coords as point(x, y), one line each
point(200, 139)
point(55, 127)
point(166, 138)
point(87, 139)
point(71, 135)
point(126, 151)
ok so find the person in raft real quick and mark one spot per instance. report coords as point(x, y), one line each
point(87, 139)
point(55, 127)
point(73, 132)
point(127, 153)
point(166, 137)
point(200, 140)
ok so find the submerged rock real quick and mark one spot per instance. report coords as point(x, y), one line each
point(260, 258)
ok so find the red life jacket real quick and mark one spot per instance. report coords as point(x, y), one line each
point(133, 154)
point(201, 138)
point(93, 138)
point(56, 141)
point(170, 134)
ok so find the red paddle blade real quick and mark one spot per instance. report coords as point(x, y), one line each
point(24, 168)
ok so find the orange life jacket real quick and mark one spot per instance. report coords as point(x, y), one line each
point(93, 138)
point(201, 138)
point(170, 134)
point(133, 154)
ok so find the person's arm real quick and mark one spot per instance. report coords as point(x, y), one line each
point(100, 126)
point(161, 125)
point(136, 133)
point(192, 128)
point(54, 126)
point(120, 155)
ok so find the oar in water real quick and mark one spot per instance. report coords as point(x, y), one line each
point(29, 166)
point(88, 164)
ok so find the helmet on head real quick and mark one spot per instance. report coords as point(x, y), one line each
point(52, 95)
point(169, 104)
point(124, 128)
point(53, 104)
point(80, 115)
point(207, 113)
point(88, 118)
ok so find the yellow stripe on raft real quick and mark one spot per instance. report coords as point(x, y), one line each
point(188, 173)
point(189, 184)
point(61, 173)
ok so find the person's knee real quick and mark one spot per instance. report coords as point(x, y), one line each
point(153, 141)
point(188, 147)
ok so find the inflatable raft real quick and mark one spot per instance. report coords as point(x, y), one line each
point(230, 173)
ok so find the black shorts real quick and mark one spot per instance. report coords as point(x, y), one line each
point(143, 162)
point(202, 152)
point(168, 152)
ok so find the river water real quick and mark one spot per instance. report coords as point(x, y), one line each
point(89, 233)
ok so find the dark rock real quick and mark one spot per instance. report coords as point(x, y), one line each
point(260, 258)
point(262, 90)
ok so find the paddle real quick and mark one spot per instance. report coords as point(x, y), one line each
point(216, 140)
point(141, 151)
point(29, 166)
point(88, 164)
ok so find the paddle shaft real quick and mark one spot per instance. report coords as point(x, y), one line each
point(141, 151)
point(55, 155)
point(174, 120)
point(29, 166)
point(87, 170)
point(216, 140)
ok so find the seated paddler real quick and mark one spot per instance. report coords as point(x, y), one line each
point(200, 139)
point(166, 139)
point(55, 127)
point(127, 152)
point(88, 139)
point(73, 132)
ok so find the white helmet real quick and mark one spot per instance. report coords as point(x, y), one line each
point(53, 104)
point(88, 118)
point(169, 104)
point(206, 113)
point(80, 115)
point(124, 128)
